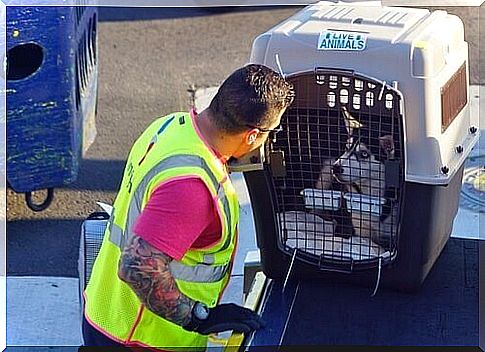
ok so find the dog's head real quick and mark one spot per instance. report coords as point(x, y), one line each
point(358, 165)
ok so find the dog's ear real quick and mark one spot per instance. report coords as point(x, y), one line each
point(387, 144)
point(350, 121)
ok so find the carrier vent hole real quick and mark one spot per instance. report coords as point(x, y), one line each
point(359, 85)
point(356, 101)
point(344, 96)
point(331, 99)
point(389, 101)
point(369, 99)
point(90, 42)
point(333, 82)
point(78, 84)
point(23, 61)
point(320, 79)
point(94, 36)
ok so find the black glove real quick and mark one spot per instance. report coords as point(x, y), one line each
point(226, 317)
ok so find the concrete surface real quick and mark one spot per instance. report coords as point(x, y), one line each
point(43, 311)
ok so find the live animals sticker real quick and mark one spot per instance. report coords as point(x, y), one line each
point(342, 40)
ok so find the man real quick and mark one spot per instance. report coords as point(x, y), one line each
point(167, 254)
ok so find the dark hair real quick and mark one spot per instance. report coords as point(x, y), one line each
point(252, 95)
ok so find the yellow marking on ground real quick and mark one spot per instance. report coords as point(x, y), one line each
point(479, 182)
point(236, 340)
point(421, 44)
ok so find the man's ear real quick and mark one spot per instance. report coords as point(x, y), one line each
point(251, 136)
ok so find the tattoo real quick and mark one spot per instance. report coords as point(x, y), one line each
point(146, 270)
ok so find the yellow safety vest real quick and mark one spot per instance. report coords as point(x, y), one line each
point(171, 147)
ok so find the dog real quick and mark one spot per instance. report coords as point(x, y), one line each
point(341, 217)
point(359, 171)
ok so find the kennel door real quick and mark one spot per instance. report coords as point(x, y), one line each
point(338, 199)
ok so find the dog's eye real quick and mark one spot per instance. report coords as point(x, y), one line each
point(364, 154)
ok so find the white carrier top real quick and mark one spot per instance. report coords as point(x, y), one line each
point(416, 51)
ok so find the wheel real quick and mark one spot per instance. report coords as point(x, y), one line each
point(42, 206)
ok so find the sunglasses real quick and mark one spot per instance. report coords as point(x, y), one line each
point(275, 130)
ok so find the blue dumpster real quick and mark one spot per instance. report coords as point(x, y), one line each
point(51, 95)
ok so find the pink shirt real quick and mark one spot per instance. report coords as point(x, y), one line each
point(180, 214)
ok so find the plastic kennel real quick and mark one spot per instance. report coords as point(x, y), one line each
point(364, 179)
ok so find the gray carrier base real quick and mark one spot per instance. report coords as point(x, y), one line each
point(425, 230)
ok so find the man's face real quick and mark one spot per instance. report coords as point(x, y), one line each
point(255, 138)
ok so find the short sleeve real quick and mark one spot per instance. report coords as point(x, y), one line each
point(176, 214)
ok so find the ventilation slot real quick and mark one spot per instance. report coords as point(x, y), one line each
point(85, 58)
point(453, 97)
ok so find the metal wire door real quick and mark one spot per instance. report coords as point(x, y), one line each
point(337, 170)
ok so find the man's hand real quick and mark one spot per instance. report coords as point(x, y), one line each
point(227, 317)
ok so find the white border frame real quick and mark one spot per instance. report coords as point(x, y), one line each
point(164, 3)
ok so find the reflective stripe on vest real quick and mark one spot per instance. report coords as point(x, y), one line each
point(204, 272)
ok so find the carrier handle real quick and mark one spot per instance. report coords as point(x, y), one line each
point(98, 215)
point(349, 266)
point(322, 70)
point(41, 206)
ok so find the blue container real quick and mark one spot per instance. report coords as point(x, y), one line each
point(51, 93)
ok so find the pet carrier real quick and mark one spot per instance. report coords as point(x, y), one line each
point(92, 234)
point(51, 95)
point(364, 179)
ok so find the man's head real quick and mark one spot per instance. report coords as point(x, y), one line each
point(249, 104)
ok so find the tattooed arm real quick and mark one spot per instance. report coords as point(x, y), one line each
point(146, 270)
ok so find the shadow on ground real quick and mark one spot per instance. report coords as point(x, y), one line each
point(47, 247)
point(107, 14)
point(99, 175)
